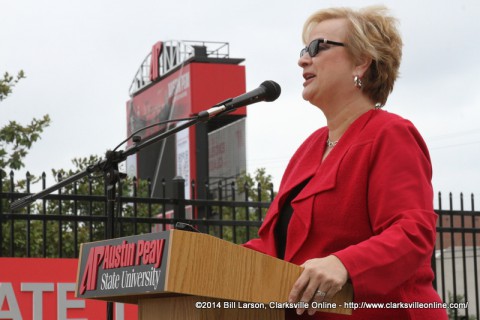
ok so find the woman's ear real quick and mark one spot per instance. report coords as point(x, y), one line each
point(362, 66)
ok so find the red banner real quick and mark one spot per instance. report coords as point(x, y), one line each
point(33, 288)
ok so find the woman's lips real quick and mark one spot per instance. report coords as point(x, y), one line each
point(308, 78)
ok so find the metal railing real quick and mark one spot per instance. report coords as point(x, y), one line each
point(58, 223)
point(176, 53)
point(456, 259)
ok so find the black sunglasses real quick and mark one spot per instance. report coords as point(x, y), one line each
point(314, 47)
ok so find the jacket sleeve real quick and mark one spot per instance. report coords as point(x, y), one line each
point(257, 244)
point(400, 208)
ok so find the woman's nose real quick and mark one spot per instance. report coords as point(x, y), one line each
point(304, 60)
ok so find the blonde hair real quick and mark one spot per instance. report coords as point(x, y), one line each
point(372, 33)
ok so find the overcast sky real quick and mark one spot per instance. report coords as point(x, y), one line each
point(80, 58)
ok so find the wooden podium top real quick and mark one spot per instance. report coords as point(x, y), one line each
point(186, 263)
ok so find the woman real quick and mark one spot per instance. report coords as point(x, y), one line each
point(355, 202)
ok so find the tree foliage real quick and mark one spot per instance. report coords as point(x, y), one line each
point(17, 139)
point(257, 186)
point(8, 82)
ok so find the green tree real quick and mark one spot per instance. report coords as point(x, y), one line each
point(17, 139)
point(251, 184)
point(8, 82)
point(253, 188)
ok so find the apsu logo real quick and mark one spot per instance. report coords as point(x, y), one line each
point(142, 253)
point(89, 280)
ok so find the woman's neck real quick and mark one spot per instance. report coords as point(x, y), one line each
point(341, 117)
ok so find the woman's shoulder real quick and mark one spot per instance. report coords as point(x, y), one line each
point(387, 117)
point(393, 131)
point(384, 121)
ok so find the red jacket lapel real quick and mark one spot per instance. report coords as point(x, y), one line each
point(324, 179)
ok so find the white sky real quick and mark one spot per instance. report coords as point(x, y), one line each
point(80, 58)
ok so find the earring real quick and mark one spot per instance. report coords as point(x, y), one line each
point(357, 82)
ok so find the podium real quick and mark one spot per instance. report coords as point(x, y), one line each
point(187, 275)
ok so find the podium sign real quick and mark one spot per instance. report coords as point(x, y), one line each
point(124, 266)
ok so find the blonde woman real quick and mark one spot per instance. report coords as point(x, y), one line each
point(356, 202)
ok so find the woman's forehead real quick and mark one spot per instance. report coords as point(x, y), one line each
point(332, 29)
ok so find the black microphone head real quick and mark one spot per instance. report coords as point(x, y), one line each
point(272, 90)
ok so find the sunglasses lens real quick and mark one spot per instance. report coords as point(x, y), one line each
point(313, 48)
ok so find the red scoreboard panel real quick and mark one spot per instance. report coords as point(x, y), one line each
point(193, 86)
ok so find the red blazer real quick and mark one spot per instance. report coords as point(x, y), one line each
point(370, 203)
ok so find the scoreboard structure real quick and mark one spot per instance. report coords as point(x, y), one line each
point(177, 80)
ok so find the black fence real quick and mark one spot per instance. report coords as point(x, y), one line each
point(56, 225)
point(456, 257)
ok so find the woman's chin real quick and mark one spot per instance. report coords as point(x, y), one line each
point(306, 94)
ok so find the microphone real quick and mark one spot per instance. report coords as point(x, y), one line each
point(268, 91)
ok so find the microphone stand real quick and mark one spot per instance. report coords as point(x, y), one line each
point(109, 167)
